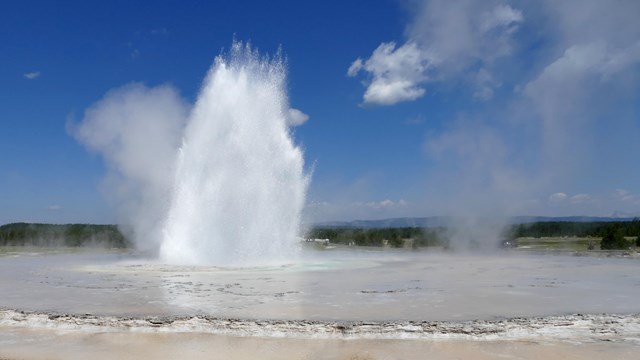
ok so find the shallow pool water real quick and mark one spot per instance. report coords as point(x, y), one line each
point(341, 284)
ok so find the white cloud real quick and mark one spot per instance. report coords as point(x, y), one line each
point(54, 207)
point(32, 75)
point(396, 73)
point(619, 60)
point(558, 197)
point(386, 204)
point(296, 117)
point(581, 198)
point(557, 89)
point(580, 93)
point(445, 41)
point(575, 92)
point(389, 92)
point(355, 67)
point(500, 16)
point(621, 193)
point(625, 196)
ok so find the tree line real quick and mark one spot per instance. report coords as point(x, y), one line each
point(613, 234)
point(375, 237)
point(579, 229)
point(27, 234)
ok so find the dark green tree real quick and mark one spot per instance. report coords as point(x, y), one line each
point(395, 240)
point(613, 239)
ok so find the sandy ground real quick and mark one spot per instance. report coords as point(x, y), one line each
point(24, 343)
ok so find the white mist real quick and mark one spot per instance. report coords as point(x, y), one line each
point(217, 183)
point(239, 187)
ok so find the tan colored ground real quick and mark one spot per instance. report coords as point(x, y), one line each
point(24, 343)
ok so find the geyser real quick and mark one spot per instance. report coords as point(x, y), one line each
point(236, 184)
point(239, 186)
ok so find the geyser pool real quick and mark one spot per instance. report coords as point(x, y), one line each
point(332, 285)
point(372, 298)
point(217, 183)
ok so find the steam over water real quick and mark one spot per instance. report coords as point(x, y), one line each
point(219, 182)
point(239, 186)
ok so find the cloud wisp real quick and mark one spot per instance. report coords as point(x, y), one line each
point(386, 204)
point(32, 75)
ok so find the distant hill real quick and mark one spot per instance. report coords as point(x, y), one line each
point(443, 221)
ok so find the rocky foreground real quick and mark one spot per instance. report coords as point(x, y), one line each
point(576, 327)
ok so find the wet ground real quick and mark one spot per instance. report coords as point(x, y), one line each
point(342, 303)
point(340, 285)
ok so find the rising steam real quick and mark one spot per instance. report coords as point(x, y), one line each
point(219, 183)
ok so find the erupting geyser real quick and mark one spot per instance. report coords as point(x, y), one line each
point(239, 186)
point(236, 183)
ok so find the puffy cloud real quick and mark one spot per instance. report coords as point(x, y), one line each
point(32, 75)
point(445, 40)
point(397, 73)
point(296, 117)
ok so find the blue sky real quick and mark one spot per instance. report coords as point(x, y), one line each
point(416, 108)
